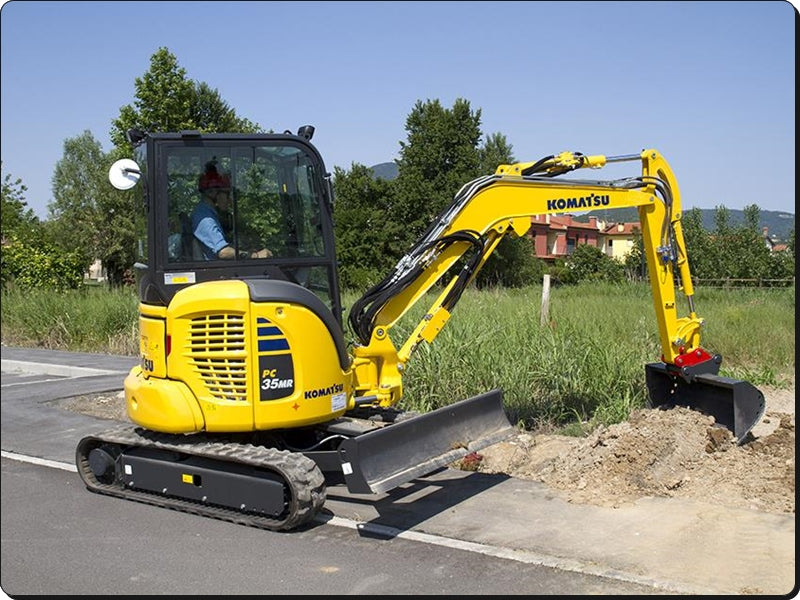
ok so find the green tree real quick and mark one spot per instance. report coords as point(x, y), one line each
point(42, 265)
point(163, 100)
point(589, 263)
point(698, 245)
point(512, 264)
point(210, 113)
point(740, 251)
point(495, 151)
point(16, 218)
point(722, 220)
point(377, 222)
point(634, 262)
point(22, 237)
point(87, 216)
point(167, 100)
point(79, 182)
point(364, 225)
point(439, 157)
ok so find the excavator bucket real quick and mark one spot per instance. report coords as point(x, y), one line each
point(381, 460)
point(734, 404)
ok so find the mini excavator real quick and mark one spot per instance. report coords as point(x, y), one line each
point(248, 403)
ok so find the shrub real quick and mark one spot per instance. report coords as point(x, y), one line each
point(27, 266)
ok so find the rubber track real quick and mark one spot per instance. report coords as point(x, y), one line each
point(300, 474)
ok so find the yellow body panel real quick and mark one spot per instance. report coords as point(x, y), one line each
point(161, 404)
point(152, 342)
point(234, 364)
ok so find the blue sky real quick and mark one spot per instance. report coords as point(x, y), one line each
point(711, 85)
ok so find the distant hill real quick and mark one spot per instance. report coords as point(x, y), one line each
point(779, 224)
point(387, 171)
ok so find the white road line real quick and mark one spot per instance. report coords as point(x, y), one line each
point(9, 385)
point(23, 366)
point(34, 460)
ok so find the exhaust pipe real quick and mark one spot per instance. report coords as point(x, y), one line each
point(735, 404)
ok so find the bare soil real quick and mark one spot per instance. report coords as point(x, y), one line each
point(677, 453)
point(670, 453)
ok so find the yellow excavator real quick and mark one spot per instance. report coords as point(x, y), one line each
point(248, 403)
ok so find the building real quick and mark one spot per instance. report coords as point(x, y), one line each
point(96, 272)
point(557, 236)
point(619, 238)
point(773, 244)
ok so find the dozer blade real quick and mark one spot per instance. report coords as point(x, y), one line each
point(734, 404)
point(381, 460)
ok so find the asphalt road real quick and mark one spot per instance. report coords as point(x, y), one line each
point(448, 533)
point(57, 538)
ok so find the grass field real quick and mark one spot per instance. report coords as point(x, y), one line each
point(586, 364)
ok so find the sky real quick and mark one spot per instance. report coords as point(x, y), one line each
point(710, 85)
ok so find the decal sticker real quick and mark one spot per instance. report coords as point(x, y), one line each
point(177, 278)
point(275, 364)
point(326, 391)
point(338, 401)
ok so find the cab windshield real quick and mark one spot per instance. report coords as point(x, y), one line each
point(273, 202)
point(246, 201)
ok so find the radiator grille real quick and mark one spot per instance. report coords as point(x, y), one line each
point(216, 345)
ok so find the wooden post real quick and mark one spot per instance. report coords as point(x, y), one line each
point(545, 301)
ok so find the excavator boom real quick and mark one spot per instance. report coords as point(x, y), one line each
point(491, 207)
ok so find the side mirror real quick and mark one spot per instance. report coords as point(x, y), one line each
point(124, 174)
point(306, 131)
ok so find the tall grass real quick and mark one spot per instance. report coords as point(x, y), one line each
point(586, 364)
point(91, 319)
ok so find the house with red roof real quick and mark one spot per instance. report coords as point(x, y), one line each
point(557, 236)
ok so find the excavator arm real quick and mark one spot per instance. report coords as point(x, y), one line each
point(491, 207)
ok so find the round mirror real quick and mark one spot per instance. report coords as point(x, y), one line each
point(124, 174)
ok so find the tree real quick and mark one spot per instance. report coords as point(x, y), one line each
point(589, 263)
point(512, 264)
point(495, 151)
point(163, 101)
point(211, 113)
point(16, 218)
point(87, 216)
point(634, 262)
point(79, 182)
point(41, 265)
point(377, 222)
point(29, 258)
point(439, 156)
point(167, 100)
point(740, 252)
point(364, 226)
point(698, 245)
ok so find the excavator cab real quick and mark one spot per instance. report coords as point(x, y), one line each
point(277, 218)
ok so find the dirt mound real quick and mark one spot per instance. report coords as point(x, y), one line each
point(670, 453)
